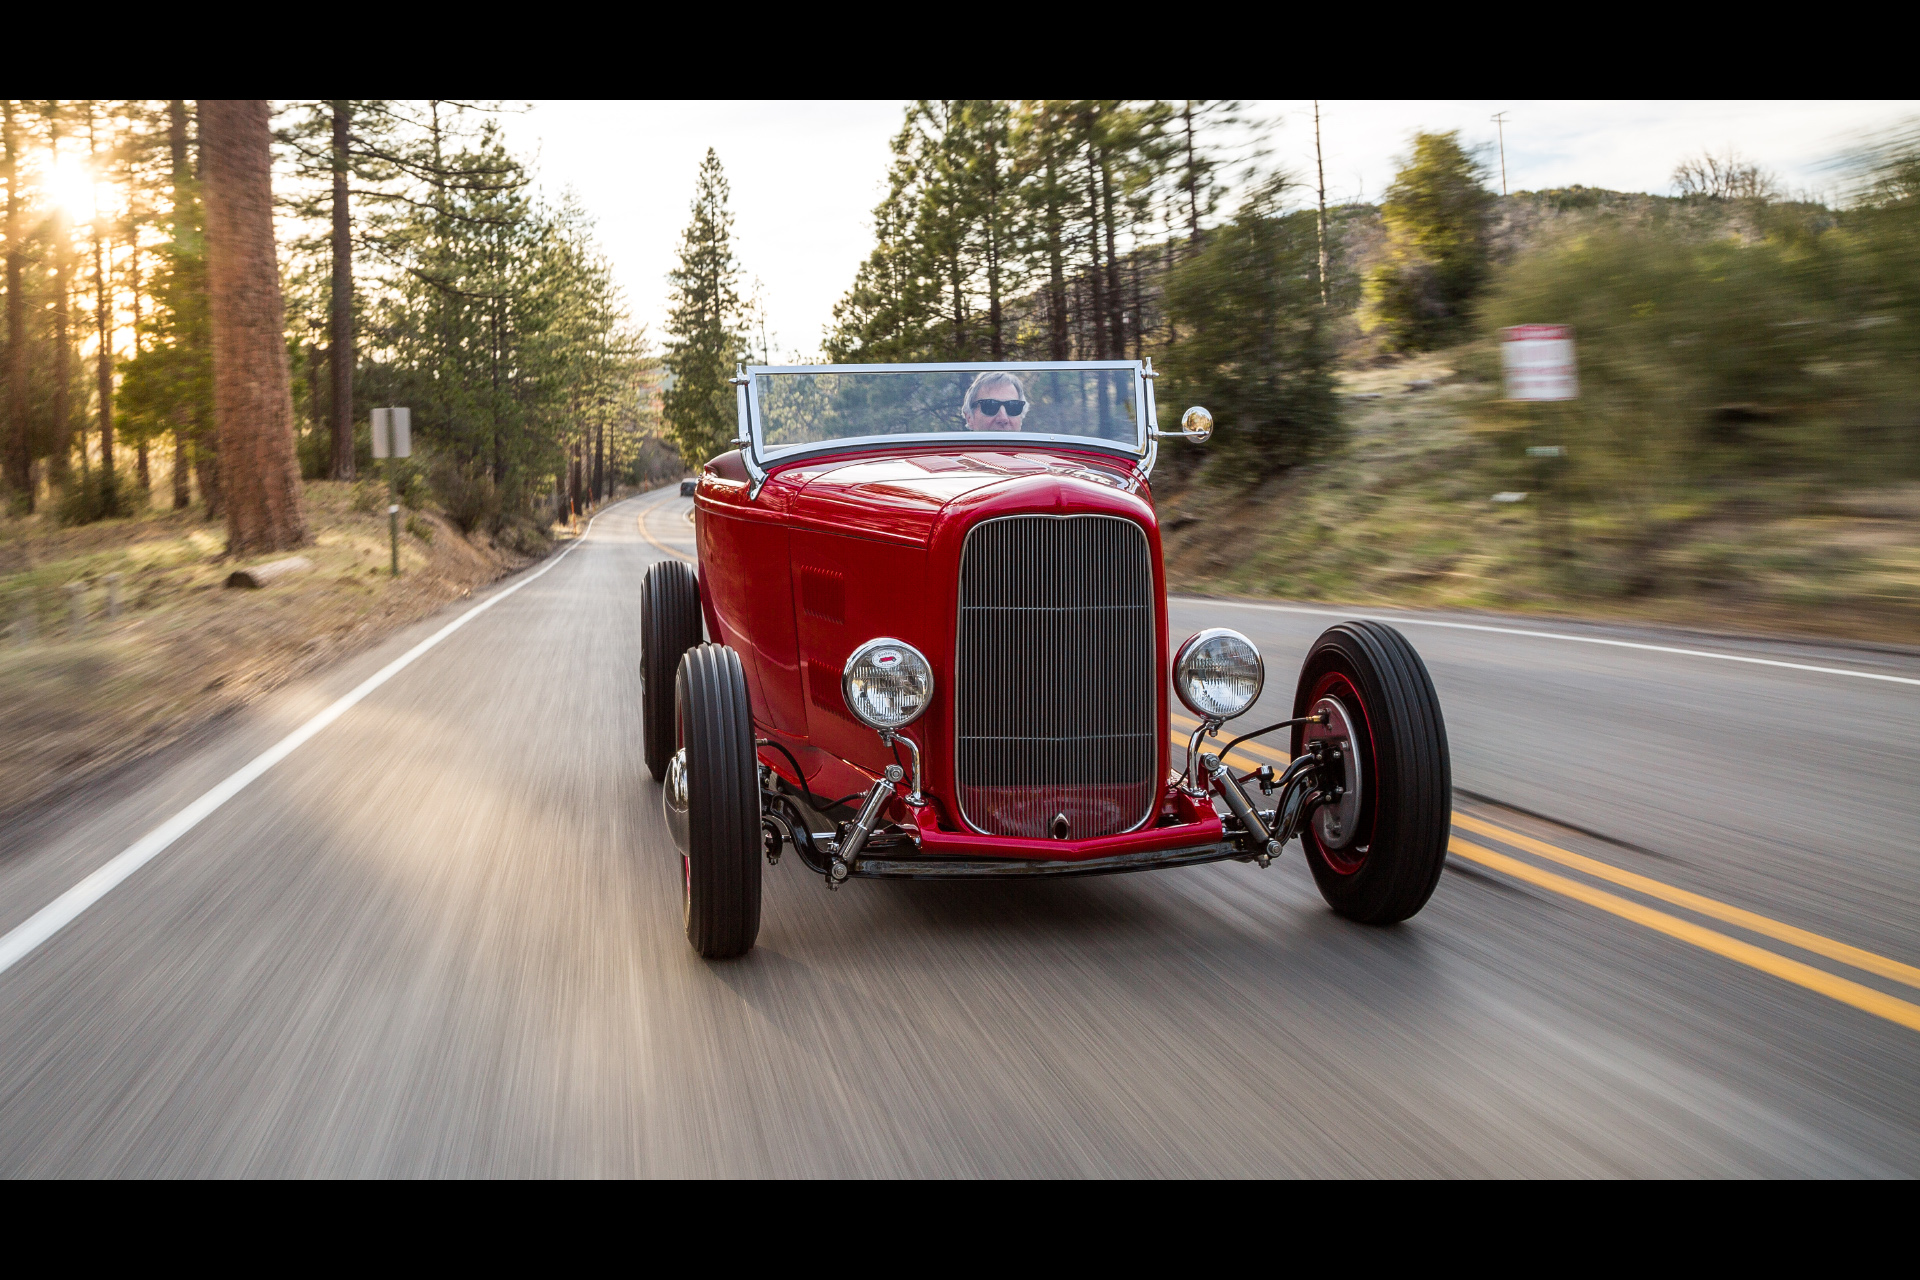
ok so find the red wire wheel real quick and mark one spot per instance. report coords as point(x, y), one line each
point(1377, 852)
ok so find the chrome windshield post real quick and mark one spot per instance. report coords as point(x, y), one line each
point(744, 441)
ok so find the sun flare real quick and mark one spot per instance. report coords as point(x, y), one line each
point(70, 188)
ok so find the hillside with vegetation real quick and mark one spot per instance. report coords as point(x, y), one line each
point(1745, 451)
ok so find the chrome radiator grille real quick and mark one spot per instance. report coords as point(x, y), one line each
point(1054, 677)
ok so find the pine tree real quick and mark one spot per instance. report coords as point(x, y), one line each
point(888, 313)
point(704, 341)
point(1435, 215)
point(19, 442)
point(167, 386)
point(253, 393)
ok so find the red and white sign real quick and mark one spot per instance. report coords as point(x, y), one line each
point(1538, 359)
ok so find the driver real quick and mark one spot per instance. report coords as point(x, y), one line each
point(995, 402)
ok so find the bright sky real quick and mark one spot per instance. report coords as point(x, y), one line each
point(806, 175)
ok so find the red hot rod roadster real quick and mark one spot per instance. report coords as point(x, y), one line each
point(927, 639)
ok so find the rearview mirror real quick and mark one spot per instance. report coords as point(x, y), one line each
point(1196, 424)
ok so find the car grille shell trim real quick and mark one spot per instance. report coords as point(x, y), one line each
point(1055, 677)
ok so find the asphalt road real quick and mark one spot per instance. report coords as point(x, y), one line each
point(442, 937)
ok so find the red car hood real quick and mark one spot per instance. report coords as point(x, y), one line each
point(900, 498)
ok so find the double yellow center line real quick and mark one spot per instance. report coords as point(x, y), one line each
point(1250, 755)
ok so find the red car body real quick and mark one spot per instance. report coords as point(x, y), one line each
point(837, 548)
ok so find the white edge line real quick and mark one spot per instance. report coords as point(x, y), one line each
point(63, 910)
point(1551, 635)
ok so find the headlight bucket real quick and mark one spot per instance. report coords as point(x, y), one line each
point(1218, 674)
point(887, 684)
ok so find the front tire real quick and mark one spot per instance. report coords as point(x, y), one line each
point(1382, 864)
point(669, 626)
point(720, 867)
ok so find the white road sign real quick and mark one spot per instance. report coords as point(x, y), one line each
point(1538, 359)
point(393, 433)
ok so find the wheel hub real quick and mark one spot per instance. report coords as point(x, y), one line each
point(1336, 821)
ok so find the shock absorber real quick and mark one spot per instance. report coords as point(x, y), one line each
point(863, 825)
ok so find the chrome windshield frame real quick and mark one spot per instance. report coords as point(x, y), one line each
point(759, 457)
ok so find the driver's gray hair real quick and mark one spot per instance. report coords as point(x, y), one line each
point(987, 379)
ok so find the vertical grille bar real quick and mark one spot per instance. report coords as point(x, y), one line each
point(1054, 676)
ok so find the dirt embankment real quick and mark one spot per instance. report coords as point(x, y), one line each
point(120, 637)
point(1416, 508)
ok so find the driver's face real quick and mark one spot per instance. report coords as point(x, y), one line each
point(1000, 420)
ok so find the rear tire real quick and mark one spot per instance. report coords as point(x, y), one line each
point(720, 870)
point(1391, 861)
point(669, 626)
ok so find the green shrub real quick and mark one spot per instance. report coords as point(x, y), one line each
point(1253, 344)
point(521, 534)
point(89, 498)
point(466, 493)
point(418, 528)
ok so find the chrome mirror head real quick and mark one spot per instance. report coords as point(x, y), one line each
point(1196, 424)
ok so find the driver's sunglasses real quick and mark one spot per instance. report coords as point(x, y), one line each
point(989, 408)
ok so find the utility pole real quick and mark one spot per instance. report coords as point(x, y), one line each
point(1320, 167)
point(1500, 119)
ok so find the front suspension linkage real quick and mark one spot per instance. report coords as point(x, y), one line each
point(1301, 788)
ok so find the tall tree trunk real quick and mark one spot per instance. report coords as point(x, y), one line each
point(60, 457)
point(1058, 346)
point(252, 388)
point(1139, 306)
point(103, 322)
point(1099, 307)
point(206, 470)
point(1166, 278)
point(1320, 170)
point(1116, 299)
point(340, 349)
point(316, 390)
point(995, 323)
point(177, 145)
point(600, 462)
point(1193, 180)
point(142, 471)
point(19, 452)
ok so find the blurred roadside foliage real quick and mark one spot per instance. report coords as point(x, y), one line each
point(1720, 374)
point(1435, 216)
point(1255, 348)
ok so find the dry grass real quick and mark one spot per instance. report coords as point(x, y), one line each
point(185, 649)
point(1403, 515)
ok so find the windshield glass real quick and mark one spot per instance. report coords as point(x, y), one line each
point(795, 409)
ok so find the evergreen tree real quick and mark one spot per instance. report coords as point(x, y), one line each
point(887, 314)
point(19, 452)
point(167, 386)
point(1254, 347)
point(704, 338)
point(1436, 220)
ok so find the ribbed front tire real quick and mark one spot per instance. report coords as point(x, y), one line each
point(720, 870)
point(1388, 868)
point(669, 626)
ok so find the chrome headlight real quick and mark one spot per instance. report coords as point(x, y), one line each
point(1218, 674)
point(888, 684)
